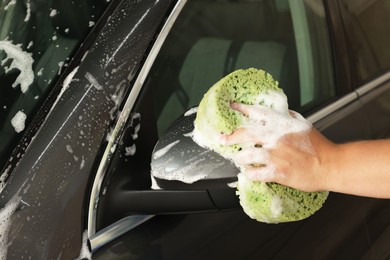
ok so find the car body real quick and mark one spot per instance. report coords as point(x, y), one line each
point(80, 169)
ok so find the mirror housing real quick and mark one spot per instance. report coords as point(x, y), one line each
point(187, 177)
point(128, 193)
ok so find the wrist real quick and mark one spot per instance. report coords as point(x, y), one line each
point(329, 168)
point(326, 157)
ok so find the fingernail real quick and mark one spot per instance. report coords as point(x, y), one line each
point(234, 105)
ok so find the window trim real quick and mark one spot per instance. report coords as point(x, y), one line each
point(120, 227)
point(349, 98)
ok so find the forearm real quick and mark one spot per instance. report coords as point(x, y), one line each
point(359, 168)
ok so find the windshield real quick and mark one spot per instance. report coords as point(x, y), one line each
point(37, 41)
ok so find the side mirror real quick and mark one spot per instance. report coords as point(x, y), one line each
point(196, 177)
point(175, 152)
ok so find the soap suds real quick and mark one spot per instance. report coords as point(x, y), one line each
point(28, 11)
point(18, 121)
point(69, 148)
point(187, 166)
point(82, 164)
point(136, 130)
point(5, 223)
point(4, 177)
point(164, 150)
point(93, 81)
point(53, 12)
point(191, 111)
point(65, 84)
point(12, 2)
point(68, 78)
point(130, 150)
point(85, 253)
point(154, 183)
point(201, 168)
point(30, 44)
point(22, 61)
point(276, 206)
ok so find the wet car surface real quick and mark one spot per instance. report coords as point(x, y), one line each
point(78, 172)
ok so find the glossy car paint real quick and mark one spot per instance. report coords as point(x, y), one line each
point(53, 195)
point(50, 196)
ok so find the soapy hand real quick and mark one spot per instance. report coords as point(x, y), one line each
point(306, 160)
point(282, 148)
point(265, 122)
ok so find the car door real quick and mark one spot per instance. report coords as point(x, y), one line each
point(45, 184)
point(368, 38)
point(302, 44)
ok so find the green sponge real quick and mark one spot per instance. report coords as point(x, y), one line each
point(265, 202)
point(275, 203)
point(215, 115)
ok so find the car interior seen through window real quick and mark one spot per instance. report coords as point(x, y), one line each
point(288, 39)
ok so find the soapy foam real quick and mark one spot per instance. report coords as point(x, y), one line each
point(191, 111)
point(18, 121)
point(270, 125)
point(276, 206)
point(69, 148)
point(65, 85)
point(22, 61)
point(4, 177)
point(154, 183)
point(164, 150)
point(5, 223)
point(85, 253)
point(12, 2)
point(262, 173)
point(30, 44)
point(130, 150)
point(93, 81)
point(53, 12)
point(203, 171)
point(28, 11)
point(202, 164)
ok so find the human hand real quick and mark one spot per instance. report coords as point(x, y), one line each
point(265, 126)
point(286, 149)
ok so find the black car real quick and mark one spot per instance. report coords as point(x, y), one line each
point(89, 87)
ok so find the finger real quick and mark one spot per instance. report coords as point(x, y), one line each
point(256, 112)
point(252, 156)
point(293, 113)
point(242, 108)
point(263, 174)
point(299, 117)
point(241, 135)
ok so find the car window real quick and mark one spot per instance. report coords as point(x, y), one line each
point(288, 39)
point(37, 41)
point(368, 36)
